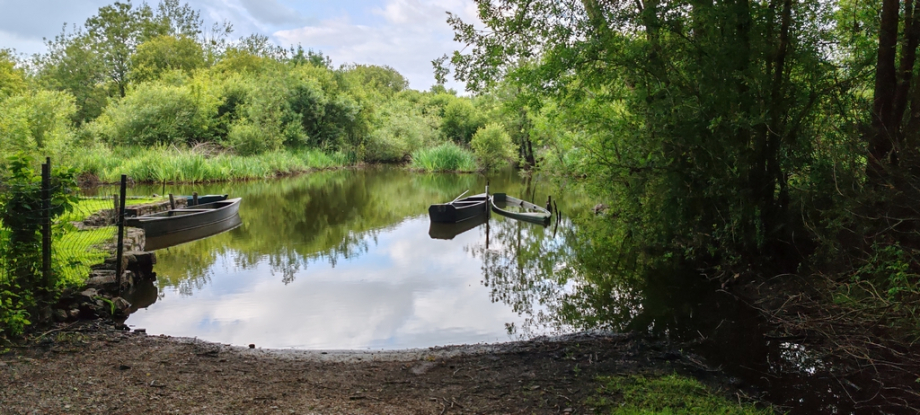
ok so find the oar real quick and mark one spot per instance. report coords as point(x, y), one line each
point(461, 195)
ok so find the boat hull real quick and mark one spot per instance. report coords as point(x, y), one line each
point(459, 210)
point(177, 220)
point(153, 243)
point(539, 215)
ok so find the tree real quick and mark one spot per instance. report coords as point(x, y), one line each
point(894, 80)
point(693, 115)
point(12, 80)
point(165, 53)
point(72, 66)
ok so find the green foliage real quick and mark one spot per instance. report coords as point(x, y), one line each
point(12, 79)
point(165, 53)
point(22, 283)
point(445, 157)
point(37, 123)
point(460, 119)
point(493, 146)
point(155, 113)
point(665, 395)
point(402, 129)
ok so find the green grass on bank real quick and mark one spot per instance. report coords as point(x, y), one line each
point(85, 208)
point(75, 251)
point(666, 395)
point(180, 165)
point(445, 157)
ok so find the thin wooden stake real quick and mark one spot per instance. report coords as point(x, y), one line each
point(120, 219)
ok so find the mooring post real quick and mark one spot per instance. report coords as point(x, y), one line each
point(194, 198)
point(46, 220)
point(172, 201)
point(120, 220)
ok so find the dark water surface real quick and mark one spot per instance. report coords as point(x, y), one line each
point(347, 260)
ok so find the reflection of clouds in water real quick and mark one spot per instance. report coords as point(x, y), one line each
point(407, 291)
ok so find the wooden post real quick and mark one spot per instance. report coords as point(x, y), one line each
point(120, 220)
point(194, 198)
point(46, 221)
point(172, 201)
point(549, 204)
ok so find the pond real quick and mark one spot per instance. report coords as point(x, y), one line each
point(347, 259)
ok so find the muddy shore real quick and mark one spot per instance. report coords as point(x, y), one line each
point(94, 367)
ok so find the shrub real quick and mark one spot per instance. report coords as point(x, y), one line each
point(461, 119)
point(38, 122)
point(22, 284)
point(155, 113)
point(493, 146)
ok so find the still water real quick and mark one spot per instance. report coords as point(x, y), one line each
point(345, 260)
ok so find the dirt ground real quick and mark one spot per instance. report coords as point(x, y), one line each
point(96, 368)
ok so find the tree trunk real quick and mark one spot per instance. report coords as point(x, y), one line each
point(883, 134)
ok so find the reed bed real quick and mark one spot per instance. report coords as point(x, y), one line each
point(177, 165)
point(445, 157)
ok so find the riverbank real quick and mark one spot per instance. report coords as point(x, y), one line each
point(92, 366)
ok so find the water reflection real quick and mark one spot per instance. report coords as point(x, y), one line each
point(349, 260)
point(335, 260)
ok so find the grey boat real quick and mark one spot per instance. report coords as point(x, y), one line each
point(530, 212)
point(177, 220)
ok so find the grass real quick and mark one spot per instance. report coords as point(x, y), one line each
point(665, 395)
point(75, 251)
point(445, 157)
point(85, 208)
point(179, 165)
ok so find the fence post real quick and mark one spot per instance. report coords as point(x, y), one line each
point(120, 220)
point(46, 220)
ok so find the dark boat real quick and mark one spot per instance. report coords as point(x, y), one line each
point(450, 230)
point(459, 209)
point(176, 220)
point(529, 211)
point(204, 199)
point(153, 243)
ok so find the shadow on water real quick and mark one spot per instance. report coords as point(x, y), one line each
point(342, 260)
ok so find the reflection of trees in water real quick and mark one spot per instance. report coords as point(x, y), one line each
point(542, 277)
point(327, 216)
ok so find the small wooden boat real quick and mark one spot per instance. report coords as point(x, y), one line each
point(459, 209)
point(176, 220)
point(153, 243)
point(204, 199)
point(529, 211)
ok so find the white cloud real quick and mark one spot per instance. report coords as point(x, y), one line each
point(409, 35)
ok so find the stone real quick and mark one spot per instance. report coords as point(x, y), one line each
point(89, 294)
point(60, 315)
point(44, 314)
point(74, 313)
point(121, 304)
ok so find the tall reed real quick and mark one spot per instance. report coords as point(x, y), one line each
point(179, 165)
point(445, 157)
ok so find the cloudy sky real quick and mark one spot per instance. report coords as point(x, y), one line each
point(404, 34)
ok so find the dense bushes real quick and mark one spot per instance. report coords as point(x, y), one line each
point(492, 145)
